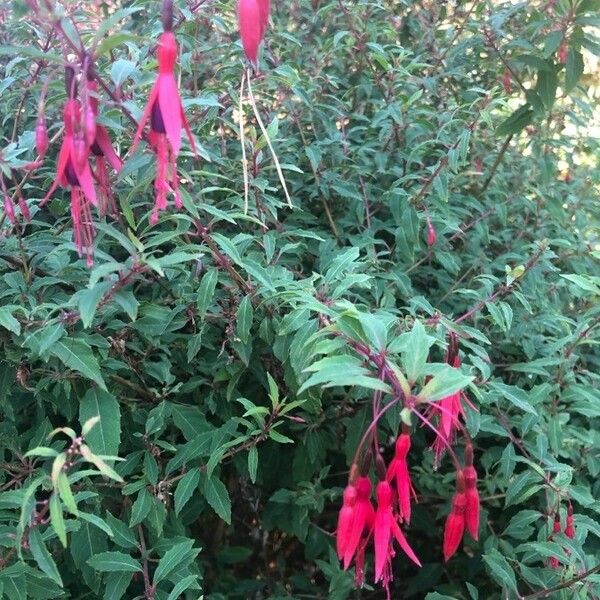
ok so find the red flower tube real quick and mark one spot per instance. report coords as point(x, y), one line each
point(455, 523)
point(362, 522)
point(253, 17)
point(167, 118)
point(345, 520)
point(398, 470)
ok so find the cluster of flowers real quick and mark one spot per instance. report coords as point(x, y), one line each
point(359, 521)
point(569, 531)
point(84, 138)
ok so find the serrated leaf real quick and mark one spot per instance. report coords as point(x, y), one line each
point(78, 356)
point(253, 463)
point(42, 556)
point(173, 557)
point(109, 562)
point(185, 489)
point(500, 570)
point(217, 496)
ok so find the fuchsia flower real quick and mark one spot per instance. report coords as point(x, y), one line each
point(253, 17)
point(385, 530)
point(167, 118)
point(398, 470)
point(73, 170)
point(102, 150)
point(362, 520)
point(455, 523)
point(570, 526)
point(472, 495)
point(9, 209)
point(345, 520)
point(554, 563)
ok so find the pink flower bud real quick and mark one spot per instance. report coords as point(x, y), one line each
point(9, 209)
point(431, 234)
point(41, 137)
point(24, 208)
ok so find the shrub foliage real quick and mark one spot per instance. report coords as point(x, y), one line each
point(179, 419)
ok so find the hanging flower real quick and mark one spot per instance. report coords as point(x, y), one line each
point(570, 526)
point(472, 495)
point(345, 519)
point(554, 563)
point(9, 209)
point(455, 523)
point(166, 115)
point(362, 522)
point(103, 152)
point(73, 170)
point(386, 529)
point(398, 470)
point(264, 9)
point(253, 17)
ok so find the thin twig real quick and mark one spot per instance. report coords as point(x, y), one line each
point(561, 586)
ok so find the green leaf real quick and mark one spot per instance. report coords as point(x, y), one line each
point(57, 519)
point(89, 299)
point(65, 493)
point(109, 562)
point(182, 585)
point(172, 559)
point(218, 497)
point(206, 291)
point(105, 437)
point(8, 321)
point(446, 381)
point(515, 396)
point(573, 69)
point(117, 584)
point(141, 508)
point(253, 463)
point(78, 356)
point(245, 314)
point(186, 488)
point(415, 350)
point(519, 119)
point(500, 570)
point(42, 557)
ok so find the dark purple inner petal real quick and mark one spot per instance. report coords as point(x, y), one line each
point(96, 150)
point(156, 120)
point(71, 174)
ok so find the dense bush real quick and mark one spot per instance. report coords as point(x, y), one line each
point(442, 163)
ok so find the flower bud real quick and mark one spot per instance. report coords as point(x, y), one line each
point(41, 137)
point(455, 523)
point(9, 209)
point(431, 234)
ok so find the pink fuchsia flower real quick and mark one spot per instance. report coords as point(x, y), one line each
point(386, 529)
point(554, 563)
point(167, 118)
point(253, 17)
point(362, 521)
point(104, 154)
point(264, 9)
point(455, 523)
point(9, 209)
point(398, 470)
point(570, 526)
point(73, 170)
point(345, 520)
point(472, 495)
